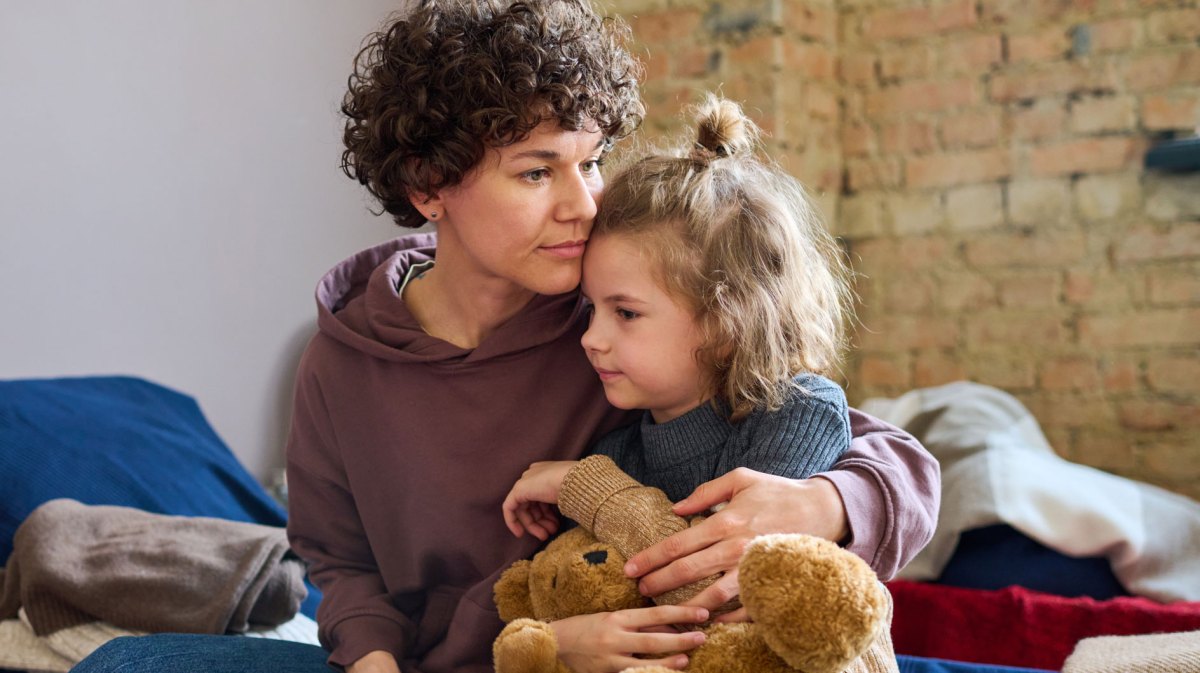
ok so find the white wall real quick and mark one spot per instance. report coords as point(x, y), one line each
point(170, 192)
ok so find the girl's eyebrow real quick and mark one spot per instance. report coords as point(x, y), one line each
point(623, 299)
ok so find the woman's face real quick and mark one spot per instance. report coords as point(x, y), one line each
point(524, 214)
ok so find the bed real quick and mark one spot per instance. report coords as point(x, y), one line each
point(121, 441)
point(130, 442)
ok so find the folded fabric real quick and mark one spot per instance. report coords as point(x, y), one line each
point(997, 467)
point(1156, 653)
point(22, 649)
point(73, 564)
point(1017, 626)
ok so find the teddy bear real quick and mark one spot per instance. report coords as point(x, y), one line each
point(814, 607)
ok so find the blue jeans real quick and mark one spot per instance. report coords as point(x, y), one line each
point(192, 653)
point(189, 653)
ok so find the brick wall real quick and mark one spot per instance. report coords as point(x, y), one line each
point(982, 159)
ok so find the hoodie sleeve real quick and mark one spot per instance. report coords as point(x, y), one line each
point(356, 615)
point(891, 487)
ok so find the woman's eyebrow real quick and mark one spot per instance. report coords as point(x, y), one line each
point(547, 155)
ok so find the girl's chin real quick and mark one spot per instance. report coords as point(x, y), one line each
point(620, 403)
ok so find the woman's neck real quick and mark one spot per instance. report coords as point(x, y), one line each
point(460, 306)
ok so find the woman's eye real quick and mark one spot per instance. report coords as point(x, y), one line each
point(626, 314)
point(537, 175)
point(592, 166)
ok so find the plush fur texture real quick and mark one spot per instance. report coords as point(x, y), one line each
point(814, 608)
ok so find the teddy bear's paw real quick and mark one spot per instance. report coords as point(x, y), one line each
point(526, 646)
point(817, 605)
point(736, 648)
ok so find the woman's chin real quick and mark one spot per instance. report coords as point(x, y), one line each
point(566, 280)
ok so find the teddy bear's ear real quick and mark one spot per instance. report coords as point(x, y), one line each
point(511, 592)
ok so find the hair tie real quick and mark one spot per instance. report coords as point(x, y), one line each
point(708, 154)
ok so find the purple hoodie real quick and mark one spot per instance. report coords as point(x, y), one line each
point(403, 446)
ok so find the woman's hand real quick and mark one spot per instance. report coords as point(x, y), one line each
point(606, 642)
point(377, 661)
point(527, 506)
point(757, 504)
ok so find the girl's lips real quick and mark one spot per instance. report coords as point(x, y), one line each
point(606, 375)
point(568, 250)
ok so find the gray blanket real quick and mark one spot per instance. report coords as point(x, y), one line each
point(73, 564)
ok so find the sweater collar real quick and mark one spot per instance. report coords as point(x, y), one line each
point(684, 439)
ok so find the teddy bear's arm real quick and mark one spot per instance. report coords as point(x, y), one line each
point(620, 511)
point(511, 593)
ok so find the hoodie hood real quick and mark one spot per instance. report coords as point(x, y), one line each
point(359, 305)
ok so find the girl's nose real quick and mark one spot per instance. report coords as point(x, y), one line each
point(591, 340)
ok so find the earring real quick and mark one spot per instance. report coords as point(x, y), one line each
point(433, 215)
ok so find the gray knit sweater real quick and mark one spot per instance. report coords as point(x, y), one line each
point(805, 437)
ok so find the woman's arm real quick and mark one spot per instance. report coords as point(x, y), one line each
point(891, 488)
point(806, 435)
point(880, 500)
point(357, 616)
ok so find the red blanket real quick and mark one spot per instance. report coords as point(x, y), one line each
point(1019, 627)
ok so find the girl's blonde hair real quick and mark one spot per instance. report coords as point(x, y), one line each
point(738, 241)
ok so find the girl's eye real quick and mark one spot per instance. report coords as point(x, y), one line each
point(626, 314)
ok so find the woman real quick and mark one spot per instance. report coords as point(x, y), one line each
point(444, 366)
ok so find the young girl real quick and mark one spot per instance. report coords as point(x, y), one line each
point(719, 300)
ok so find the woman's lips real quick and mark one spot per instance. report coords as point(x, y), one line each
point(568, 250)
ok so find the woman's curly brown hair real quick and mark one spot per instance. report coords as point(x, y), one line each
point(445, 81)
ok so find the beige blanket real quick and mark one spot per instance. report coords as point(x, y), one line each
point(74, 564)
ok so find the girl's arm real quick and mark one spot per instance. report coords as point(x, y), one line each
point(620, 511)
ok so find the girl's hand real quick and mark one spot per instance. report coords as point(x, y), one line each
point(527, 506)
point(606, 642)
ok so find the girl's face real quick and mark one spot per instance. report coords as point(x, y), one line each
point(524, 214)
point(641, 340)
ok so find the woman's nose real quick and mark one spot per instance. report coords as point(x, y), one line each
point(577, 200)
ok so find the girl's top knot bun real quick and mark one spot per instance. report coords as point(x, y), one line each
point(722, 130)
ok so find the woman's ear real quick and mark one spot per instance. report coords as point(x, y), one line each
point(429, 205)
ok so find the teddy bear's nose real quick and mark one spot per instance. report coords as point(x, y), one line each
point(596, 557)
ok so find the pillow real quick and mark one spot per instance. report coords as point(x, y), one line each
point(119, 441)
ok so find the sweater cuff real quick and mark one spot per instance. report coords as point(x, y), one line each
point(588, 486)
point(353, 638)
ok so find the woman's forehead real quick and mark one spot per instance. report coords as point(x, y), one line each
point(551, 141)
